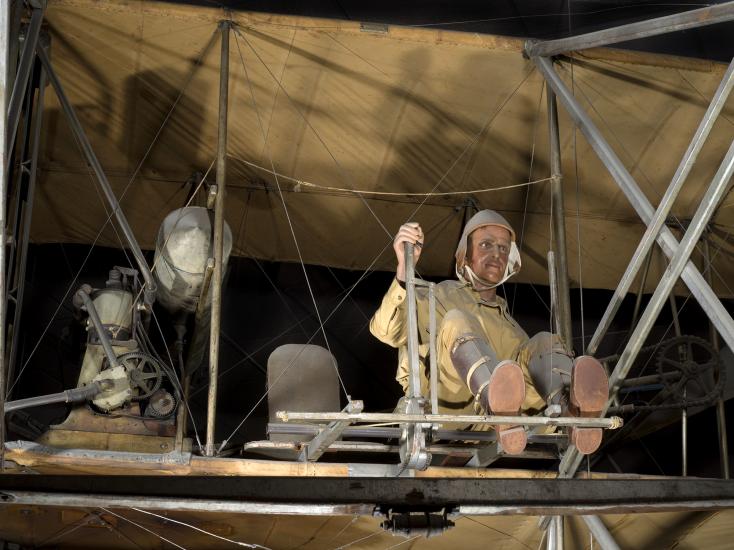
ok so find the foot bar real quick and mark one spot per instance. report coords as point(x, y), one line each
point(611, 423)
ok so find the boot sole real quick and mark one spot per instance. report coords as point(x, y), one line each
point(589, 395)
point(505, 396)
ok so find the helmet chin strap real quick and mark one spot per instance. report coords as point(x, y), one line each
point(476, 281)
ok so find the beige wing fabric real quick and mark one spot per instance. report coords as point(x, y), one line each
point(365, 130)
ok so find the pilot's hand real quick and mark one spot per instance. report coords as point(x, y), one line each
point(410, 232)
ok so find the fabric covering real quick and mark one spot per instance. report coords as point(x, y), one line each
point(367, 127)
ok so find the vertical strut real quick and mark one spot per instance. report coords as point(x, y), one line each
point(559, 225)
point(216, 283)
point(27, 212)
point(4, 144)
point(414, 380)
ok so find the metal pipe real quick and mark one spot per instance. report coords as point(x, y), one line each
point(553, 284)
point(713, 195)
point(414, 381)
point(432, 360)
point(661, 214)
point(4, 48)
point(600, 533)
point(684, 410)
point(608, 423)
point(27, 59)
point(76, 127)
point(558, 520)
point(216, 317)
point(652, 27)
point(720, 410)
point(640, 292)
point(693, 279)
point(559, 225)
point(104, 339)
point(550, 535)
point(27, 216)
point(74, 395)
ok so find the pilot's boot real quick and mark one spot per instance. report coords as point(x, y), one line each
point(589, 386)
point(499, 386)
point(588, 396)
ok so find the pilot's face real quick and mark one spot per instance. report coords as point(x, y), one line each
point(489, 252)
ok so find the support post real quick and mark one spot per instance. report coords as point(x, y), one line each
point(661, 214)
point(563, 305)
point(714, 336)
point(27, 211)
point(216, 283)
point(27, 59)
point(600, 533)
point(76, 128)
point(414, 381)
point(652, 27)
point(694, 280)
point(4, 48)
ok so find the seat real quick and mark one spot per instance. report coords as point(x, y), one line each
point(302, 378)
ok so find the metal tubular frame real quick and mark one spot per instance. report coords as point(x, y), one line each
point(652, 27)
point(23, 75)
point(104, 339)
point(414, 381)
point(27, 212)
point(76, 128)
point(600, 533)
point(313, 450)
point(216, 284)
point(690, 274)
point(591, 422)
point(563, 305)
point(661, 214)
point(713, 195)
point(4, 49)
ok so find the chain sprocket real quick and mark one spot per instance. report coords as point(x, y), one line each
point(145, 373)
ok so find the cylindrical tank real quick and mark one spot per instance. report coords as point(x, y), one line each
point(182, 249)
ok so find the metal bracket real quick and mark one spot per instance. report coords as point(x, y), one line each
point(413, 453)
point(319, 444)
point(426, 524)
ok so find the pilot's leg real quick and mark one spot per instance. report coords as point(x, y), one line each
point(549, 365)
point(498, 385)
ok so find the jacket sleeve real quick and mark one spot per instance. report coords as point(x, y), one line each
point(389, 323)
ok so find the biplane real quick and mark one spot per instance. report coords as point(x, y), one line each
point(198, 205)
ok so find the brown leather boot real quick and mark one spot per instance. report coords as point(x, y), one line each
point(589, 395)
point(499, 386)
point(505, 396)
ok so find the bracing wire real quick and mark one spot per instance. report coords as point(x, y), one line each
point(176, 381)
point(171, 520)
point(299, 184)
point(144, 528)
point(288, 217)
point(342, 172)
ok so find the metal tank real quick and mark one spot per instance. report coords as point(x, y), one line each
point(181, 253)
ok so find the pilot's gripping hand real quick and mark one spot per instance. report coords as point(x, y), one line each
point(409, 232)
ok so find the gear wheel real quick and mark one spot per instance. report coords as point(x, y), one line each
point(145, 373)
point(689, 366)
point(161, 405)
